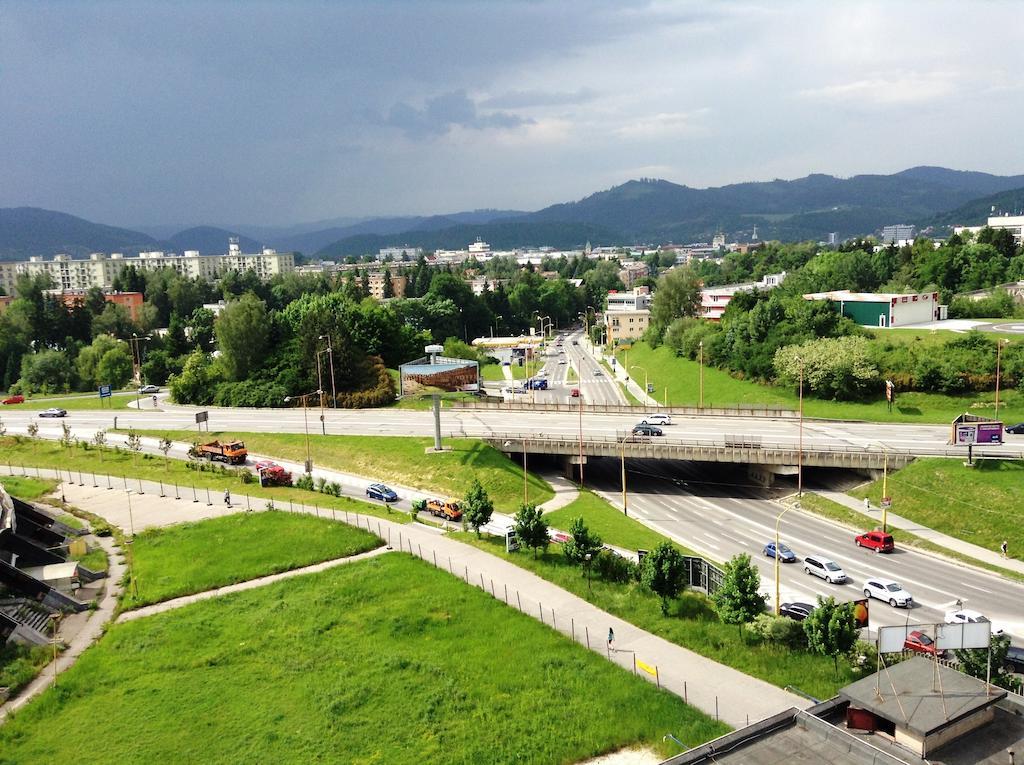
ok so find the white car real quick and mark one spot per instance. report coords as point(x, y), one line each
point(967, 616)
point(820, 566)
point(657, 419)
point(889, 591)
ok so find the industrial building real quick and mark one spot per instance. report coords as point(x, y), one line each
point(873, 309)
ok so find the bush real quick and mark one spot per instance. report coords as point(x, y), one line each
point(614, 568)
point(321, 482)
point(304, 481)
point(780, 630)
point(245, 476)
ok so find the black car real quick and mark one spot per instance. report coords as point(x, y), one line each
point(1015, 659)
point(797, 611)
point(1017, 430)
point(647, 430)
point(381, 492)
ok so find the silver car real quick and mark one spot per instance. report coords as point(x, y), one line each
point(822, 567)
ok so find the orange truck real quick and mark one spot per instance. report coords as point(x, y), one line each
point(232, 452)
point(444, 508)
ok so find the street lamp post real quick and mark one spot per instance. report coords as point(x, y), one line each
point(644, 370)
point(999, 351)
point(496, 325)
point(526, 481)
point(580, 405)
point(134, 341)
point(622, 464)
point(588, 556)
point(330, 352)
point(700, 353)
point(305, 421)
point(800, 442)
point(777, 543)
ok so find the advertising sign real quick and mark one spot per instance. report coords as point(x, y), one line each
point(966, 434)
point(861, 612)
point(890, 639)
point(966, 635)
point(990, 433)
point(105, 391)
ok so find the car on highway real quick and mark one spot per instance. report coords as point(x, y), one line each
point(575, 393)
point(149, 389)
point(561, 361)
point(1015, 659)
point(575, 343)
point(878, 541)
point(15, 399)
point(797, 611)
point(785, 554)
point(598, 373)
point(967, 616)
point(823, 568)
point(381, 492)
point(647, 430)
point(1017, 430)
point(918, 642)
point(889, 591)
point(657, 419)
point(506, 363)
point(55, 411)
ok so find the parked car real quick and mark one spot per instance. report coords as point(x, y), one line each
point(785, 554)
point(1017, 430)
point(381, 492)
point(647, 430)
point(149, 389)
point(967, 616)
point(797, 611)
point(878, 541)
point(826, 569)
point(889, 591)
point(55, 411)
point(657, 419)
point(918, 642)
point(1015, 659)
point(15, 399)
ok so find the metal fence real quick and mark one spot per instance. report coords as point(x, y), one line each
point(703, 575)
point(750, 410)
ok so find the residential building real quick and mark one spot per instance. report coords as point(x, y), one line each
point(481, 284)
point(399, 253)
point(638, 298)
point(5, 302)
point(131, 301)
point(626, 325)
point(713, 300)
point(872, 309)
point(376, 283)
point(900, 232)
point(631, 271)
point(1013, 223)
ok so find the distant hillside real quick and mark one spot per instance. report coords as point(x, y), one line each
point(209, 240)
point(28, 231)
point(977, 211)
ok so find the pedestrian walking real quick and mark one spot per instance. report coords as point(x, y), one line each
point(1002, 548)
point(227, 497)
point(611, 638)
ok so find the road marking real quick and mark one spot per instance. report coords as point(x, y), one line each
point(979, 589)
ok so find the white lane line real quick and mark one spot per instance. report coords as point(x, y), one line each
point(979, 589)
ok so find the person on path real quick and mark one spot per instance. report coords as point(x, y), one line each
point(611, 638)
point(1002, 548)
point(227, 497)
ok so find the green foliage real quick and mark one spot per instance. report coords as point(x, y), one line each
point(780, 630)
point(677, 296)
point(737, 600)
point(531, 528)
point(197, 382)
point(975, 662)
point(114, 368)
point(663, 572)
point(831, 629)
point(476, 506)
point(584, 543)
point(242, 333)
point(47, 371)
point(832, 367)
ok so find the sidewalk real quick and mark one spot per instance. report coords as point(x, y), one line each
point(621, 376)
point(983, 554)
point(566, 493)
point(714, 688)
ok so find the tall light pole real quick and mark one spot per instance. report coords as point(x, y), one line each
point(622, 463)
point(999, 351)
point(700, 354)
point(580, 405)
point(320, 390)
point(134, 341)
point(330, 352)
point(305, 420)
point(777, 543)
point(494, 327)
point(800, 447)
point(644, 370)
point(526, 481)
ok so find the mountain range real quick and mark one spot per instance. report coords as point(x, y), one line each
point(638, 211)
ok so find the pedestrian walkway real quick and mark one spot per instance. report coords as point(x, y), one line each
point(566, 492)
point(170, 605)
point(979, 553)
point(714, 688)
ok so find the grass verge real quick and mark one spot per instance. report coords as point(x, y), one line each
point(80, 401)
point(28, 488)
point(19, 665)
point(691, 623)
point(193, 557)
point(387, 660)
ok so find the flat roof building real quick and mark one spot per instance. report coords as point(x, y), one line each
point(874, 309)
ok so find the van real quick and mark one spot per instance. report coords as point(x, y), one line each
point(878, 541)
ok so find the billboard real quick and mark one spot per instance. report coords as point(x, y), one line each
point(971, 429)
point(946, 636)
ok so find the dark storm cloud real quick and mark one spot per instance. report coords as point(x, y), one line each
point(518, 99)
point(443, 112)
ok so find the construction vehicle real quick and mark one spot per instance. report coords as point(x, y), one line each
point(272, 474)
point(444, 508)
point(232, 452)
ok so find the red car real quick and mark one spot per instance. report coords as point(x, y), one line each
point(918, 642)
point(878, 541)
point(575, 393)
point(17, 399)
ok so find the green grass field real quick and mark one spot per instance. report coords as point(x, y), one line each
point(722, 390)
point(401, 460)
point(691, 623)
point(982, 505)
point(76, 401)
point(27, 488)
point(609, 523)
point(383, 661)
point(491, 372)
point(193, 557)
point(21, 451)
point(19, 664)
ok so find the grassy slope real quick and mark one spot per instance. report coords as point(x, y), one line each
point(610, 524)
point(983, 504)
point(49, 454)
point(27, 488)
point(384, 661)
point(19, 664)
point(691, 623)
point(76, 402)
point(193, 557)
point(720, 389)
point(403, 461)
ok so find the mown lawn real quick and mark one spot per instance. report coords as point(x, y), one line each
point(691, 623)
point(27, 488)
point(76, 401)
point(609, 523)
point(401, 460)
point(981, 504)
point(722, 390)
point(20, 451)
point(383, 661)
point(193, 557)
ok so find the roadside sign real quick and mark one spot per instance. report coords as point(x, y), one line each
point(511, 541)
point(861, 612)
point(202, 417)
point(105, 391)
point(886, 502)
point(309, 466)
point(650, 387)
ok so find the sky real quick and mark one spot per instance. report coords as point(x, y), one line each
point(273, 113)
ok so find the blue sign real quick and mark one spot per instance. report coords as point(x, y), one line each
point(104, 391)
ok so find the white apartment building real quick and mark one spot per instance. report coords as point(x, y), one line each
point(713, 300)
point(637, 299)
point(1014, 223)
point(100, 269)
point(399, 253)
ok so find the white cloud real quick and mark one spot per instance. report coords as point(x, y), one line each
point(888, 90)
point(665, 125)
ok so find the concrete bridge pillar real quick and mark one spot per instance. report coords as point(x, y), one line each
point(764, 475)
point(571, 466)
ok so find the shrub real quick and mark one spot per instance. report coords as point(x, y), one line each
point(614, 568)
point(304, 481)
point(321, 482)
point(245, 476)
point(780, 630)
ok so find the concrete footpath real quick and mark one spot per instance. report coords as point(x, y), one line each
point(718, 690)
point(979, 553)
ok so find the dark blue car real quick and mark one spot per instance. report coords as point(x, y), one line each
point(785, 554)
point(381, 492)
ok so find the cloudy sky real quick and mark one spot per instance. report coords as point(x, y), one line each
point(261, 112)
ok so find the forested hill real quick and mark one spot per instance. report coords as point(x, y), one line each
point(27, 231)
point(977, 211)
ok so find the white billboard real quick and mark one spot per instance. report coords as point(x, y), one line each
point(946, 636)
point(890, 639)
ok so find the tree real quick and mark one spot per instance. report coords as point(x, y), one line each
point(975, 661)
point(242, 331)
point(115, 321)
point(477, 507)
point(196, 382)
point(831, 629)
point(663, 572)
point(134, 441)
point(99, 440)
point(47, 371)
point(678, 294)
point(531, 528)
point(200, 328)
point(115, 368)
point(389, 290)
point(165, 446)
point(737, 601)
point(584, 542)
